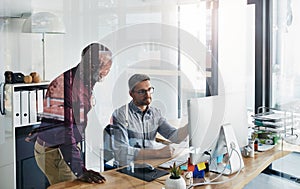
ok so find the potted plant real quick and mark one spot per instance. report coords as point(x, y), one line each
point(175, 181)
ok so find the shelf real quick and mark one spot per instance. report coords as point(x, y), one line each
point(23, 102)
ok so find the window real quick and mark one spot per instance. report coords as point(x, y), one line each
point(285, 55)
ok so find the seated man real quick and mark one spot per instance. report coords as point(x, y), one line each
point(136, 124)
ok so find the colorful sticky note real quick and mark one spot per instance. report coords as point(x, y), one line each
point(201, 166)
point(183, 167)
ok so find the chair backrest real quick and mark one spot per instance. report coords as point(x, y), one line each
point(108, 143)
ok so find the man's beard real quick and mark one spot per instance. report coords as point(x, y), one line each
point(97, 77)
point(145, 102)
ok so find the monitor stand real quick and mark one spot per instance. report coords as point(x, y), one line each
point(235, 162)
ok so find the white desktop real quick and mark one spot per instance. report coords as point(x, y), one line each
point(218, 125)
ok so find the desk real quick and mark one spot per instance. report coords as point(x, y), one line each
point(114, 180)
point(253, 167)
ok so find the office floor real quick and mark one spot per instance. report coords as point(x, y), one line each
point(264, 181)
point(289, 165)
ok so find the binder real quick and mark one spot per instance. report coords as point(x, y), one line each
point(16, 108)
point(32, 107)
point(24, 107)
point(40, 101)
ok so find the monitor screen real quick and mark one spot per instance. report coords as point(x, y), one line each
point(206, 116)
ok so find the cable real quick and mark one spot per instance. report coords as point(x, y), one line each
point(221, 182)
point(222, 172)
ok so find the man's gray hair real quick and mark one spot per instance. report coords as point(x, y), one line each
point(135, 79)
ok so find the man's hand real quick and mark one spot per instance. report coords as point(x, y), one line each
point(31, 137)
point(165, 152)
point(91, 176)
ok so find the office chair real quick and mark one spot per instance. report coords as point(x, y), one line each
point(109, 156)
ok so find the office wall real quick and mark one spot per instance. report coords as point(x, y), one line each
point(236, 64)
point(236, 54)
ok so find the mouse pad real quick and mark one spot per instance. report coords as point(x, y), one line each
point(144, 174)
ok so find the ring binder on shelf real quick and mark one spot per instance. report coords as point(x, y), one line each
point(16, 108)
point(32, 107)
point(40, 100)
point(24, 108)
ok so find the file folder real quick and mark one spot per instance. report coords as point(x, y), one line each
point(32, 107)
point(24, 107)
point(16, 108)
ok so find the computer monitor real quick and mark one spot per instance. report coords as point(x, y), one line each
point(206, 116)
point(204, 126)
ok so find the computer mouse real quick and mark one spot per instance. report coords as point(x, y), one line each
point(143, 166)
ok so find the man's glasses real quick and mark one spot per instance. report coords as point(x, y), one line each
point(143, 91)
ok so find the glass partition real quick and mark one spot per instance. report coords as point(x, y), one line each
point(285, 61)
point(189, 48)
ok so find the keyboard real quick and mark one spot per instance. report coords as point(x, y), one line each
point(179, 160)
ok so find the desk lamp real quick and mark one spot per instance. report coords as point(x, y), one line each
point(44, 23)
